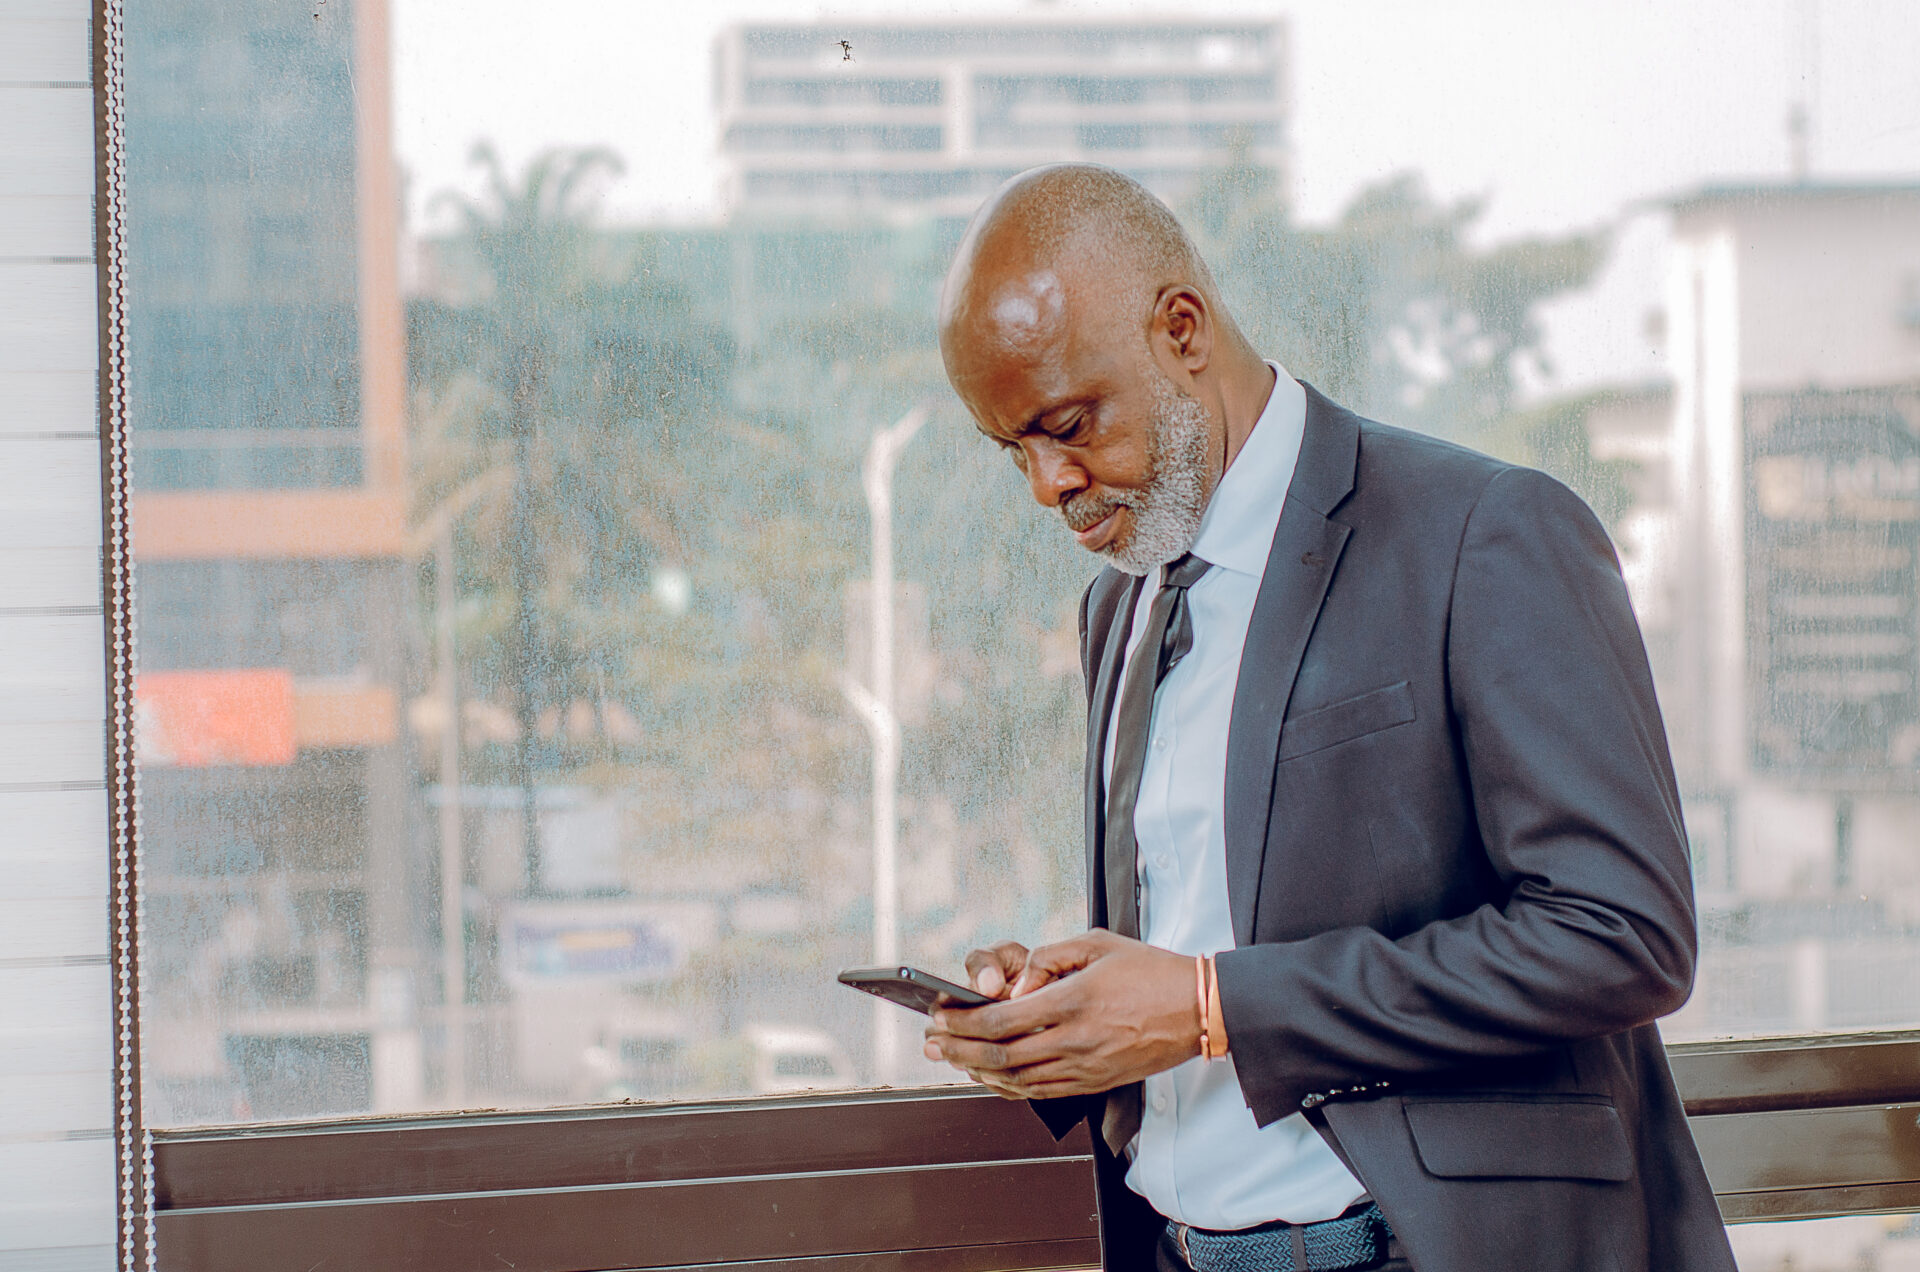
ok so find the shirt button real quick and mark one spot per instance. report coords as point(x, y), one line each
point(1159, 744)
point(1159, 1102)
point(1162, 861)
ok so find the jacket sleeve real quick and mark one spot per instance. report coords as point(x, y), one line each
point(1573, 792)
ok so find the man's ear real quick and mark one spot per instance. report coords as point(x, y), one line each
point(1182, 329)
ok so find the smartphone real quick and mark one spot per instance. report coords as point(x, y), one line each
point(911, 987)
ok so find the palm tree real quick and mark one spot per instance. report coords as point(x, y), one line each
point(550, 363)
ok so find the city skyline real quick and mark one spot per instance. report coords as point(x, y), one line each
point(933, 115)
point(439, 673)
point(802, 314)
point(1558, 123)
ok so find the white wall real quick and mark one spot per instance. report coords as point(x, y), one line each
point(1823, 287)
point(56, 1103)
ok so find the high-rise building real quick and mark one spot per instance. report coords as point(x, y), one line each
point(1794, 330)
point(267, 398)
point(822, 118)
point(1774, 552)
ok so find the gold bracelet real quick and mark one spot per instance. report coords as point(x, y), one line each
point(1200, 1000)
point(1216, 1030)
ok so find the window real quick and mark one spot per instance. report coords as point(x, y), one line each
point(832, 138)
point(840, 91)
point(503, 628)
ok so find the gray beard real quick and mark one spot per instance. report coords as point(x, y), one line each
point(1168, 510)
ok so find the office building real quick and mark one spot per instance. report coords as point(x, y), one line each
point(267, 395)
point(826, 118)
point(1774, 556)
point(1794, 320)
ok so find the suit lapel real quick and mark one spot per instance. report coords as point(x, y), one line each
point(1110, 619)
point(1300, 566)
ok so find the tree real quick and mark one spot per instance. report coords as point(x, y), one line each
point(997, 748)
point(574, 383)
point(1390, 310)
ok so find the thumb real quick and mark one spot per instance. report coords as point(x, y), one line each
point(993, 968)
point(1050, 962)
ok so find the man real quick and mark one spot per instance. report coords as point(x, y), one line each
point(1371, 723)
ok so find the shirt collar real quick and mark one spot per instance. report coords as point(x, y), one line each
point(1237, 530)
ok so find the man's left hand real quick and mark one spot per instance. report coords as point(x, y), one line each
point(1117, 1011)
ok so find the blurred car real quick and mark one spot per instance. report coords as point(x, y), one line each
point(796, 1058)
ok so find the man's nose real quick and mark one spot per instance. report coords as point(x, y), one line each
point(1054, 476)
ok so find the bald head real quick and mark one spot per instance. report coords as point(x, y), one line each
point(1065, 244)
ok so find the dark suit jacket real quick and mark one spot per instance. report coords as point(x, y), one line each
point(1458, 878)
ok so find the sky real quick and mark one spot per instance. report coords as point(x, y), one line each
point(1561, 112)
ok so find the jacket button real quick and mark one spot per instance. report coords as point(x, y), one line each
point(1313, 1100)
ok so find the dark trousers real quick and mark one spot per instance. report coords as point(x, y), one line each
point(1168, 1258)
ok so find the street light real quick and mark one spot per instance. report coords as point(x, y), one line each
point(437, 531)
point(875, 706)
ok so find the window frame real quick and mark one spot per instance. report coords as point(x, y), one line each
point(945, 1179)
point(132, 1176)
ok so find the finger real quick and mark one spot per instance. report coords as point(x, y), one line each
point(1008, 1019)
point(1046, 1073)
point(1019, 1087)
point(1072, 954)
point(1030, 979)
point(1002, 1057)
point(1034, 974)
point(993, 967)
point(996, 1085)
point(1051, 1090)
point(969, 1056)
point(1007, 957)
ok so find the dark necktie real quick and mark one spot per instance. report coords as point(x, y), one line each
point(1167, 638)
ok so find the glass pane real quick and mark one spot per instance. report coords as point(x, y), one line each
point(1885, 1243)
point(511, 621)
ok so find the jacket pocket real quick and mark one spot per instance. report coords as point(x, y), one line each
point(1525, 1137)
point(1346, 720)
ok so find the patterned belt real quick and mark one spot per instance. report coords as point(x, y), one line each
point(1358, 1240)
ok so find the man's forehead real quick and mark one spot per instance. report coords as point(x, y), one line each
point(1026, 345)
point(1028, 309)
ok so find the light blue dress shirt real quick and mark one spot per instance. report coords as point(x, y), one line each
point(1199, 1158)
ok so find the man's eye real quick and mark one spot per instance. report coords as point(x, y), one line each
point(1077, 429)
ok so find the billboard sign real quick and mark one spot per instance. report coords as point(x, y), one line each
point(1833, 532)
point(196, 719)
point(547, 942)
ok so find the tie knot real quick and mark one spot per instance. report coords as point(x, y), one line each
point(1185, 570)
